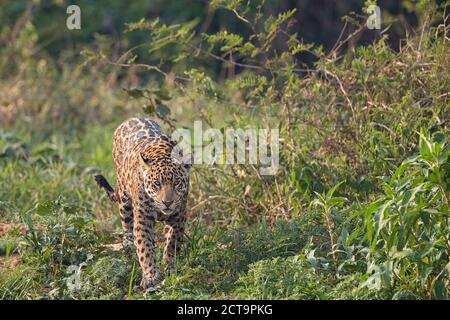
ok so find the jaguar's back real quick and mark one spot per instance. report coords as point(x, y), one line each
point(132, 135)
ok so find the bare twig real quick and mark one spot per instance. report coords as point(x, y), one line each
point(339, 39)
point(243, 65)
point(146, 66)
point(240, 17)
point(342, 89)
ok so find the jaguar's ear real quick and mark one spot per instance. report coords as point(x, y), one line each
point(188, 166)
point(145, 159)
point(188, 160)
point(172, 143)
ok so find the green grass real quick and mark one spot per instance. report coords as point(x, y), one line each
point(63, 230)
point(71, 222)
point(359, 208)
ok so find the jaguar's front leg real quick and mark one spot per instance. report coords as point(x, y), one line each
point(174, 239)
point(144, 240)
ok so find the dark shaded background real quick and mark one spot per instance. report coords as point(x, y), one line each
point(318, 21)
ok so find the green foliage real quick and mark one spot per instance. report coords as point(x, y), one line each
point(281, 278)
point(359, 208)
point(406, 231)
point(295, 278)
point(154, 102)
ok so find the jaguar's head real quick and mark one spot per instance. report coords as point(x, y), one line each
point(166, 181)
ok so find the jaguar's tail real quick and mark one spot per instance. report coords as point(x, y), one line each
point(104, 184)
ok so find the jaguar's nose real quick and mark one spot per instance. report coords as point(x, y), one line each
point(167, 203)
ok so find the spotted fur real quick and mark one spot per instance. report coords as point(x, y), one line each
point(150, 187)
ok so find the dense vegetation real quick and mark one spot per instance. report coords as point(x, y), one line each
point(359, 208)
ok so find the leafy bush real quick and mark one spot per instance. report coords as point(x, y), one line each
point(295, 277)
point(323, 227)
point(405, 233)
point(280, 278)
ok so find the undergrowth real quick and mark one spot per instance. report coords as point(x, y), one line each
point(358, 209)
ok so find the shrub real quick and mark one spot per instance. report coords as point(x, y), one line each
point(405, 233)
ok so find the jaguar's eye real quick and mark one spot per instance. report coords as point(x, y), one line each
point(157, 184)
point(145, 159)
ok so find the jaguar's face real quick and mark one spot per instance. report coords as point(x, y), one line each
point(165, 182)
